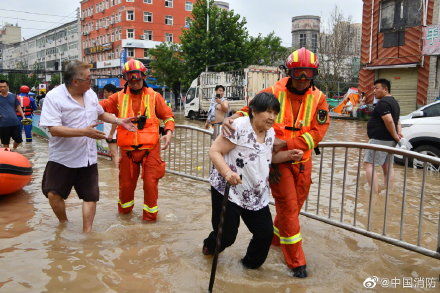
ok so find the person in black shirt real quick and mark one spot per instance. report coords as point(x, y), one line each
point(383, 128)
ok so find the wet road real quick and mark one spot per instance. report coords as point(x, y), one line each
point(123, 254)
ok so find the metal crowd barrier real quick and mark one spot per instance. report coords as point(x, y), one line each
point(406, 216)
point(187, 154)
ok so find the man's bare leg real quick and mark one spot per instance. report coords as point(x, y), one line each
point(369, 173)
point(58, 206)
point(88, 210)
point(385, 167)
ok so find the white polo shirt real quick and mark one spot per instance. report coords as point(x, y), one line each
point(60, 109)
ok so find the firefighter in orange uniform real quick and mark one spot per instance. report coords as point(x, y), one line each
point(301, 124)
point(141, 147)
point(28, 106)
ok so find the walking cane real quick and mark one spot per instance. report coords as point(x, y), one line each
point(219, 237)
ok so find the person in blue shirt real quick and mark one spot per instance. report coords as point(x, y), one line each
point(9, 123)
point(28, 105)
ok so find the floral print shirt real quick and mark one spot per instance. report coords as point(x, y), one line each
point(250, 159)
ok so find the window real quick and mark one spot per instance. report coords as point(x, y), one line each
point(148, 1)
point(187, 22)
point(130, 33)
point(432, 111)
point(190, 95)
point(188, 6)
point(169, 3)
point(399, 14)
point(302, 40)
point(315, 43)
point(168, 20)
point(393, 39)
point(130, 52)
point(129, 0)
point(146, 55)
point(130, 15)
point(148, 35)
point(169, 38)
point(148, 17)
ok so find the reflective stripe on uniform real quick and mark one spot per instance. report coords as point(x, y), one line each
point(124, 108)
point(168, 120)
point(308, 113)
point(309, 140)
point(287, 240)
point(276, 231)
point(126, 205)
point(282, 100)
point(291, 240)
point(243, 112)
point(150, 210)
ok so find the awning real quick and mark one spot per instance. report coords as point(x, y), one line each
point(408, 65)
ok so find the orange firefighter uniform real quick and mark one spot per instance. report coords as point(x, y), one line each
point(302, 123)
point(141, 147)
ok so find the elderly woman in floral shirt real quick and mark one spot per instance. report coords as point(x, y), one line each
point(242, 159)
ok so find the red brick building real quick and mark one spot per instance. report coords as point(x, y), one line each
point(392, 49)
point(109, 26)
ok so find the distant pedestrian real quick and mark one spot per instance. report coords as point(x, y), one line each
point(9, 123)
point(28, 105)
point(110, 129)
point(40, 99)
point(217, 109)
point(383, 128)
point(71, 112)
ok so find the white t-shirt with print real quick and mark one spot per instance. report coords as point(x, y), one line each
point(250, 159)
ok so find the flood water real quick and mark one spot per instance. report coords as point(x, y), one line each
point(124, 254)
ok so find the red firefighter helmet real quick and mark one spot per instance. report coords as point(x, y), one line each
point(24, 89)
point(302, 64)
point(134, 70)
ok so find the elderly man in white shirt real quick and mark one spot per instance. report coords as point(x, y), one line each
point(71, 112)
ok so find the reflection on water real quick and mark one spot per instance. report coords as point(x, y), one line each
point(123, 254)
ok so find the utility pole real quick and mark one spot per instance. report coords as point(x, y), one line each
point(60, 66)
point(207, 30)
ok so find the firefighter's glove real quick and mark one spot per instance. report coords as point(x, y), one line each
point(274, 174)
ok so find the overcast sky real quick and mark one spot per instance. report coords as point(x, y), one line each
point(263, 16)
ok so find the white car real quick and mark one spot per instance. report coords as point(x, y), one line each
point(422, 129)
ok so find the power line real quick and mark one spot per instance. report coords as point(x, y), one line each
point(32, 20)
point(31, 12)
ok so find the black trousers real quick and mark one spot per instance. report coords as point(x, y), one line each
point(258, 222)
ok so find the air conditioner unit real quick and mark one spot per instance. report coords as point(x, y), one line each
point(142, 37)
point(82, 18)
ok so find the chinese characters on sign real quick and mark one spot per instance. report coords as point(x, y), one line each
point(405, 282)
point(431, 40)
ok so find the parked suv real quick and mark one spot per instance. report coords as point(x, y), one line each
point(422, 129)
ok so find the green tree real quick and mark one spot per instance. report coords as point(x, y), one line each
point(167, 66)
point(224, 47)
point(55, 79)
point(267, 50)
point(16, 80)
